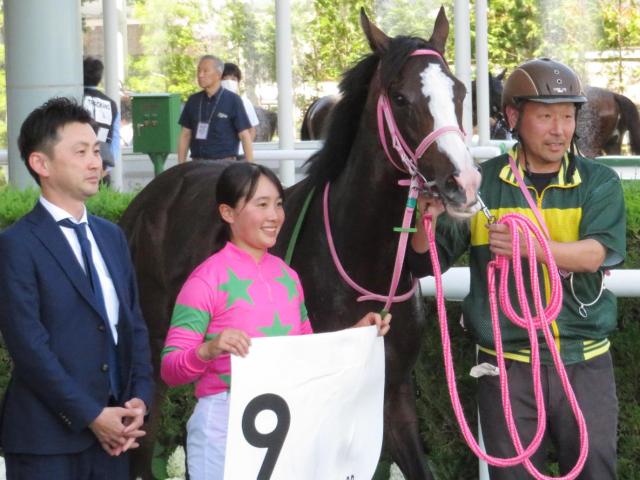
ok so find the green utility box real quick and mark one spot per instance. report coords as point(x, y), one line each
point(155, 126)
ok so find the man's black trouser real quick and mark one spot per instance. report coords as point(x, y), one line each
point(594, 386)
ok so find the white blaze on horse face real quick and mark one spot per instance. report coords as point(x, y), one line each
point(437, 87)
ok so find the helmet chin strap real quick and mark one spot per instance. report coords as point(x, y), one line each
point(515, 131)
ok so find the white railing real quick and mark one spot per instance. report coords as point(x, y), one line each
point(455, 283)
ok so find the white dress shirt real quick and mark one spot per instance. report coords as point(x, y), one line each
point(112, 304)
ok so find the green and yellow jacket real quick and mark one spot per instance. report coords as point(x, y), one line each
point(585, 200)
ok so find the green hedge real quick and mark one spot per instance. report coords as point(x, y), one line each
point(14, 204)
point(449, 457)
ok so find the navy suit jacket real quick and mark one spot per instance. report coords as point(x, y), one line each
point(57, 337)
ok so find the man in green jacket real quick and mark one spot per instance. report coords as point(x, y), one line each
point(582, 204)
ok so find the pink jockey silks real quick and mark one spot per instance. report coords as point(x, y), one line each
point(229, 290)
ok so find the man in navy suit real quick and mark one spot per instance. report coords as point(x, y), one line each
point(69, 314)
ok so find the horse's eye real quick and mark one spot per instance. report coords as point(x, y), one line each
point(399, 99)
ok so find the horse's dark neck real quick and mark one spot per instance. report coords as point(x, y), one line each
point(366, 203)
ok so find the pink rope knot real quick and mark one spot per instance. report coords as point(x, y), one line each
point(518, 225)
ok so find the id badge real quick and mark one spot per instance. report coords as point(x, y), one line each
point(102, 134)
point(203, 131)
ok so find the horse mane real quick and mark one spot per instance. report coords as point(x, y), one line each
point(326, 164)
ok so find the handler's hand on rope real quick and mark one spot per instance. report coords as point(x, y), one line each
point(500, 242)
point(230, 340)
point(425, 206)
point(429, 205)
point(373, 318)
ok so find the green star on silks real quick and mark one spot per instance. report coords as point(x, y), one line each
point(290, 284)
point(225, 378)
point(236, 288)
point(276, 329)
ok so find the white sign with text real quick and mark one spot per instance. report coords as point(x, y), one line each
point(307, 407)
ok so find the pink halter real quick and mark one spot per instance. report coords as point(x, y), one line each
point(408, 157)
point(417, 182)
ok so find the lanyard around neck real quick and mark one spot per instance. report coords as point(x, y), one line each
point(215, 105)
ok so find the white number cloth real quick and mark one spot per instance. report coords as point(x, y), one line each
point(319, 397)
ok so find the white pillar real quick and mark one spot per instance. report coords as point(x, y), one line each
point(43, 42)
point(113, 66)
point(284, 78)
point(463, 59)
point(482, 73)
point(123, 41)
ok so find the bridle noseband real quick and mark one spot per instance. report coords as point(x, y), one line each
point(408, 157)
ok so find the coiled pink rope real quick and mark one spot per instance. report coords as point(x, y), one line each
point(544, 316)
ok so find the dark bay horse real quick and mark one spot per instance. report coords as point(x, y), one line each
point(172, 223)
point(499, 128)
point(268, 125)
point(317, 118)
point(603, 121)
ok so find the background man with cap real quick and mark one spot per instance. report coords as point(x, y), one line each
point(582, 204)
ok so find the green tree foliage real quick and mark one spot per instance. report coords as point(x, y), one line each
point(412, 17)
point(177, 32)
point(248, 40)
point(514, 32)
point(330, 38)
point(569, 29)
point(619, 29)
point(620, 24)
point(564, 29)
point(173, 41)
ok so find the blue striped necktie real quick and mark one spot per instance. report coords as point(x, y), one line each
point(92, 274)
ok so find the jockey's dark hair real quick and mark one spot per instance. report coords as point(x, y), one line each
point(238, 182)
point(40, 130)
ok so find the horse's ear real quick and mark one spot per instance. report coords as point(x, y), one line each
point(378, 40)
point(501, 75)
point(440, 32)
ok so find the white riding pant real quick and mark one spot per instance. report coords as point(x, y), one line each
point(207, 437)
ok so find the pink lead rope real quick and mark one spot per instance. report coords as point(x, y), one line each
point(544, 316)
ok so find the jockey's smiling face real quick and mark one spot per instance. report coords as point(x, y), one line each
point(256, 222)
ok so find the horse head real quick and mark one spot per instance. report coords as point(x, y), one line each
point(495, 94)
point(499, 127)
point(419, 112)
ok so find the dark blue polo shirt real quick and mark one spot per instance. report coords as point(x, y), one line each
point(226, 116)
